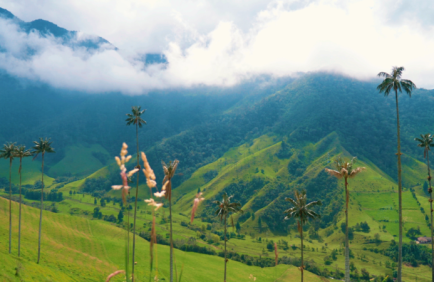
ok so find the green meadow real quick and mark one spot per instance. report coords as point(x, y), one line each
point(78, 249)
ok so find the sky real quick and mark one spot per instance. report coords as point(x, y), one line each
point(219, 42)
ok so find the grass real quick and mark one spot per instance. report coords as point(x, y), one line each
point(78, 249)
point(79, 160)
point(31, 171)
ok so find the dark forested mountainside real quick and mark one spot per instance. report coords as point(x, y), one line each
point(77, 118)
point(306, 111)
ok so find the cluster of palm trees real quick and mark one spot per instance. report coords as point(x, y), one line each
point(301, 209)
point(345, 169)
point(11, 151)
point(135, 118)
point(224, 207)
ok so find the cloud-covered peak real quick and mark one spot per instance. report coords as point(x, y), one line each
point(211, 43)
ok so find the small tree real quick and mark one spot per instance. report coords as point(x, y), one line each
point(120, 216)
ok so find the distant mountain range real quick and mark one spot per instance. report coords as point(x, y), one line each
point(72, 38)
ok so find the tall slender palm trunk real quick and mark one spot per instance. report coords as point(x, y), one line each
point(19, 218)
point(135, 202)
point(171, 239)
point(431, 212)
point(10, 205)
point(399, 192)
point(127, 249)
point(40, 215)
point(225, 251)
point(302, 259)
point(347, 247)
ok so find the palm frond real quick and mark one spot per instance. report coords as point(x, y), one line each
point(334, 173)
point(384, 74)
point(8, 151)
point(356, 171)
point(225, 206)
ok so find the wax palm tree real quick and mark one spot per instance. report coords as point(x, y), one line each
point(345, 170)
point(41, 147)
point(394, 82)
point(303, 211)
point(224, 208)
point(136, 119)
point(169, 172)
point(426, 142)
point(21, 153)
point(8, 152)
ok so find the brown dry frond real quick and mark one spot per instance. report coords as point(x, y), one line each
point(334, 173)
point(165, 179)
point(356, 171)
point(196, 203)
point(114, 274)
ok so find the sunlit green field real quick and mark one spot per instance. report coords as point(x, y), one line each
point(78, 249)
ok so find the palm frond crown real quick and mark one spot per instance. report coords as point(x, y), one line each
point(345, 168)
point(394, 82)
point(425, 141)
point(42, 146)
point(135, 116)
point(169, 173)
point(301, 209)
point(225, 206)
point(8, 151)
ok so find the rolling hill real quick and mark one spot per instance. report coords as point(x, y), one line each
point(78, 249)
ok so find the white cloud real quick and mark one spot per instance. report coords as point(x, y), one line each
point(217, 43)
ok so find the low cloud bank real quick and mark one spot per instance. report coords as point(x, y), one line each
point(281, 41)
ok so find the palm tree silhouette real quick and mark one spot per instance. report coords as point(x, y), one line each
point(21, 153)
point(396, 83)
point(135, 118)
point(345, 170)
point(223, 209)
point(426, 142)
point(41, 147)
point(303, 212)
point(169, 172)
point(8, 152)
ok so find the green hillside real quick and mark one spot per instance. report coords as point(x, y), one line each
point(81, 160)
point(259, 151)
point(31, 171)
point(78, 249)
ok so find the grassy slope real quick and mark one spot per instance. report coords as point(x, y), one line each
point(373, 198)
point(79, 160)
point(78, 249)
point(31, 171)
